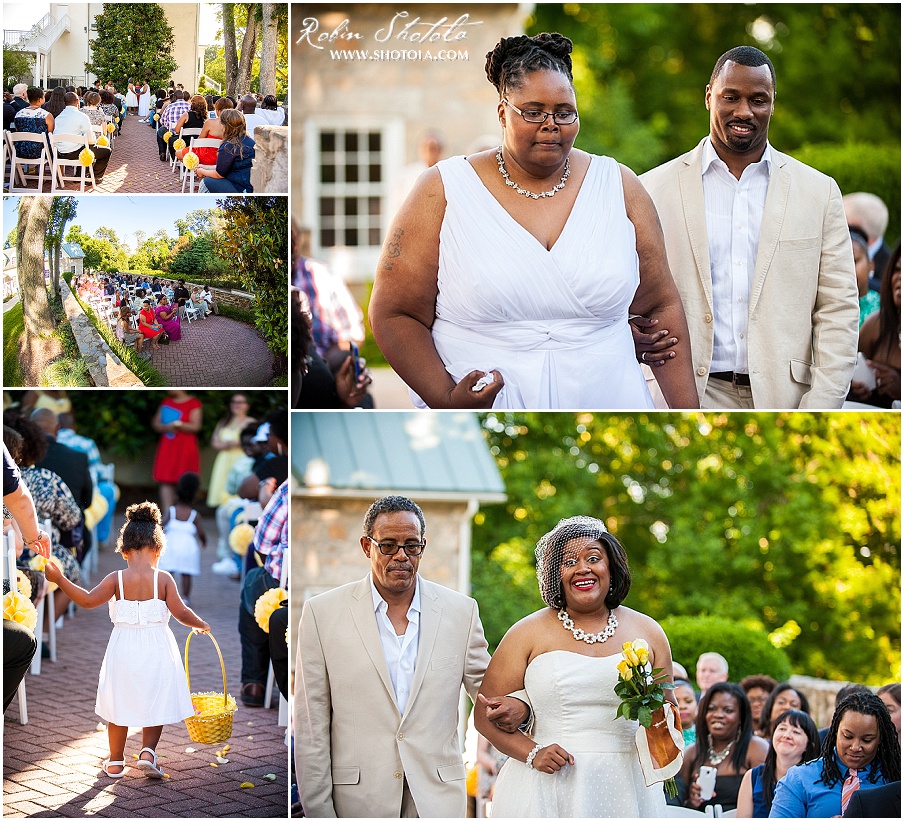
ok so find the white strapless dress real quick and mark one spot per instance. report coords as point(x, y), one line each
point(553, 322)
point(574, 702)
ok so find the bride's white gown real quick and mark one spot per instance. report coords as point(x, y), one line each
point(553, 322)
point(574, 703)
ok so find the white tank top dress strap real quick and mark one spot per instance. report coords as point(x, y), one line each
point(121, 594)
point(156, 574)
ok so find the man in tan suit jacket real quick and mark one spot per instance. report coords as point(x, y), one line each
point(759, 248)
point(380, 667)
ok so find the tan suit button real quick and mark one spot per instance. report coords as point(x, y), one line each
point(401, 736)
point(701, 371)
point(396, 775)
point(708, 318)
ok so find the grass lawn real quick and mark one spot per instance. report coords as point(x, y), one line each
point(13, 329)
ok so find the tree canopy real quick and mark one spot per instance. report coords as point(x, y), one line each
point(640, 71)
point(789, 523)
point(133, 41)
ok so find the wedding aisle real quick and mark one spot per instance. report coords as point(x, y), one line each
point(52, 764)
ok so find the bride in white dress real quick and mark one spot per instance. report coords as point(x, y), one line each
point(131, 98)
point(144, 100)
point(580, 761)
point(526, 261)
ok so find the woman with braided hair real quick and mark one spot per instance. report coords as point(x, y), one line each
point(508, 276)
point(580, 761)
point(861, 750)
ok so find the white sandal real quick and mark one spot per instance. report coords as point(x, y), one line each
point(151, 770)
point(107, 763)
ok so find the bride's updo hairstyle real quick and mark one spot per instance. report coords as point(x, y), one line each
point(142, 528)
point(515, 57)
point(551, 551)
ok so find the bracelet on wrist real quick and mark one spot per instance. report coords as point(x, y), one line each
point(29, 542)
point(532, 755)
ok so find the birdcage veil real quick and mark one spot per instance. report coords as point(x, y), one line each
point(551, 550)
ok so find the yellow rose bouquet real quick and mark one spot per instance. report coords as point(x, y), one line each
point(658, 740)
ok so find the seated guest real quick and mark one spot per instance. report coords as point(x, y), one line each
point(271, 111)
point(234, 159)
point(880, 341)
point(20, 96)
point(73, 121)
point(109, 107)
point(198, 302)
point(9, 113)
point(168, 317)
point(794, 741)
point(167, 288)
point(169, 116)
point(248, 106)
point(783, 697)
point(55, 102)
point(148, 324)
point(725, 742)
point(33, 120)
point(155, 286)
point(687, 710)
point(861, 750)
point(876, 802)
point(891, 698)
point(208, 298)
point(138, 300)
point(195, 117)
point(863, 265)
point(180, 295)
point(213, 130)
point(91, 110)
point(758, 689)
point(127, 333)
point(157, 107)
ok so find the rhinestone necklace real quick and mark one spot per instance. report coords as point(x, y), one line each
point(717, 758)
point(512, 184)
point(589, 638)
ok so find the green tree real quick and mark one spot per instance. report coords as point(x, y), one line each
point(789, 523)
point(256, 234)
point(93, 259)
point(62, 211)
point(640, 71)
point(196, 259)
point(133, 41)
point(17, 66)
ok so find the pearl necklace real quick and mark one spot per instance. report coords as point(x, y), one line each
point(717, 758)
point(512, 184)
point(589, 638)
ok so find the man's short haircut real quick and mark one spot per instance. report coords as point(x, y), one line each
point(392, 504)
point(868, 210)
point(743, 56)
point(70, 98)
point(19, 89)
point(723, 662)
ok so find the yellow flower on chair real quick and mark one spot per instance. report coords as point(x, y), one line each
point(17, 607)
point(102, 142)
point(167, 135)
point(110, 128)
point(86, 157)
point(179, 144)
point(191, 160)
point(156, 117)
point(23, 583)
point(240, 536)
point(266, 604)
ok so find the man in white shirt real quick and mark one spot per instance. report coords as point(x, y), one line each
point(380, 667)
point(248, 107)
point(760, 251)
point(72, 121)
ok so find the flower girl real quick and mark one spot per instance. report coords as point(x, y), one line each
point(184, 535)
point(142, 681)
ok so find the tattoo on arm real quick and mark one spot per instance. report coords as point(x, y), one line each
point(393, 249)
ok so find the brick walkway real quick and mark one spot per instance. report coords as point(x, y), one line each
point(215, 352)
point(134, 167)
point(52, 764)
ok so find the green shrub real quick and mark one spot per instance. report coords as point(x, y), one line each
point(13, 329)
point(66, 372)
point(748, 651)
point(862, 167)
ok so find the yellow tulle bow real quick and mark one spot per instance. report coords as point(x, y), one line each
point(242, 534)
point(266, 604)
point(86, 157)
point(17, 607)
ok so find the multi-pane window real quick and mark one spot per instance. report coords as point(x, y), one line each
point(350, 187)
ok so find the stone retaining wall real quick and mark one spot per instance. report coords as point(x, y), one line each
point(270, 172)
point(105, 367)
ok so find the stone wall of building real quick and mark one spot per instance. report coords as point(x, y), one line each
point(105, 367)
point(270, 173)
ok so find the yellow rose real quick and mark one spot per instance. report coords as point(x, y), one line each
point(643, 656)
point(624, 670)
point(86, 157)
point(630, 655)
point(640, 644)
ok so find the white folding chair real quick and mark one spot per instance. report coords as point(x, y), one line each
point(58, 163)
point(206, 142)
point(271, 676)
point(17, 164)
point(186, 134)
point(9, 568)
point(190, 312)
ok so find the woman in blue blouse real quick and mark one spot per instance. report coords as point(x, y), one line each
point(795, 740)
point(861, 749)
point(234, 159)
